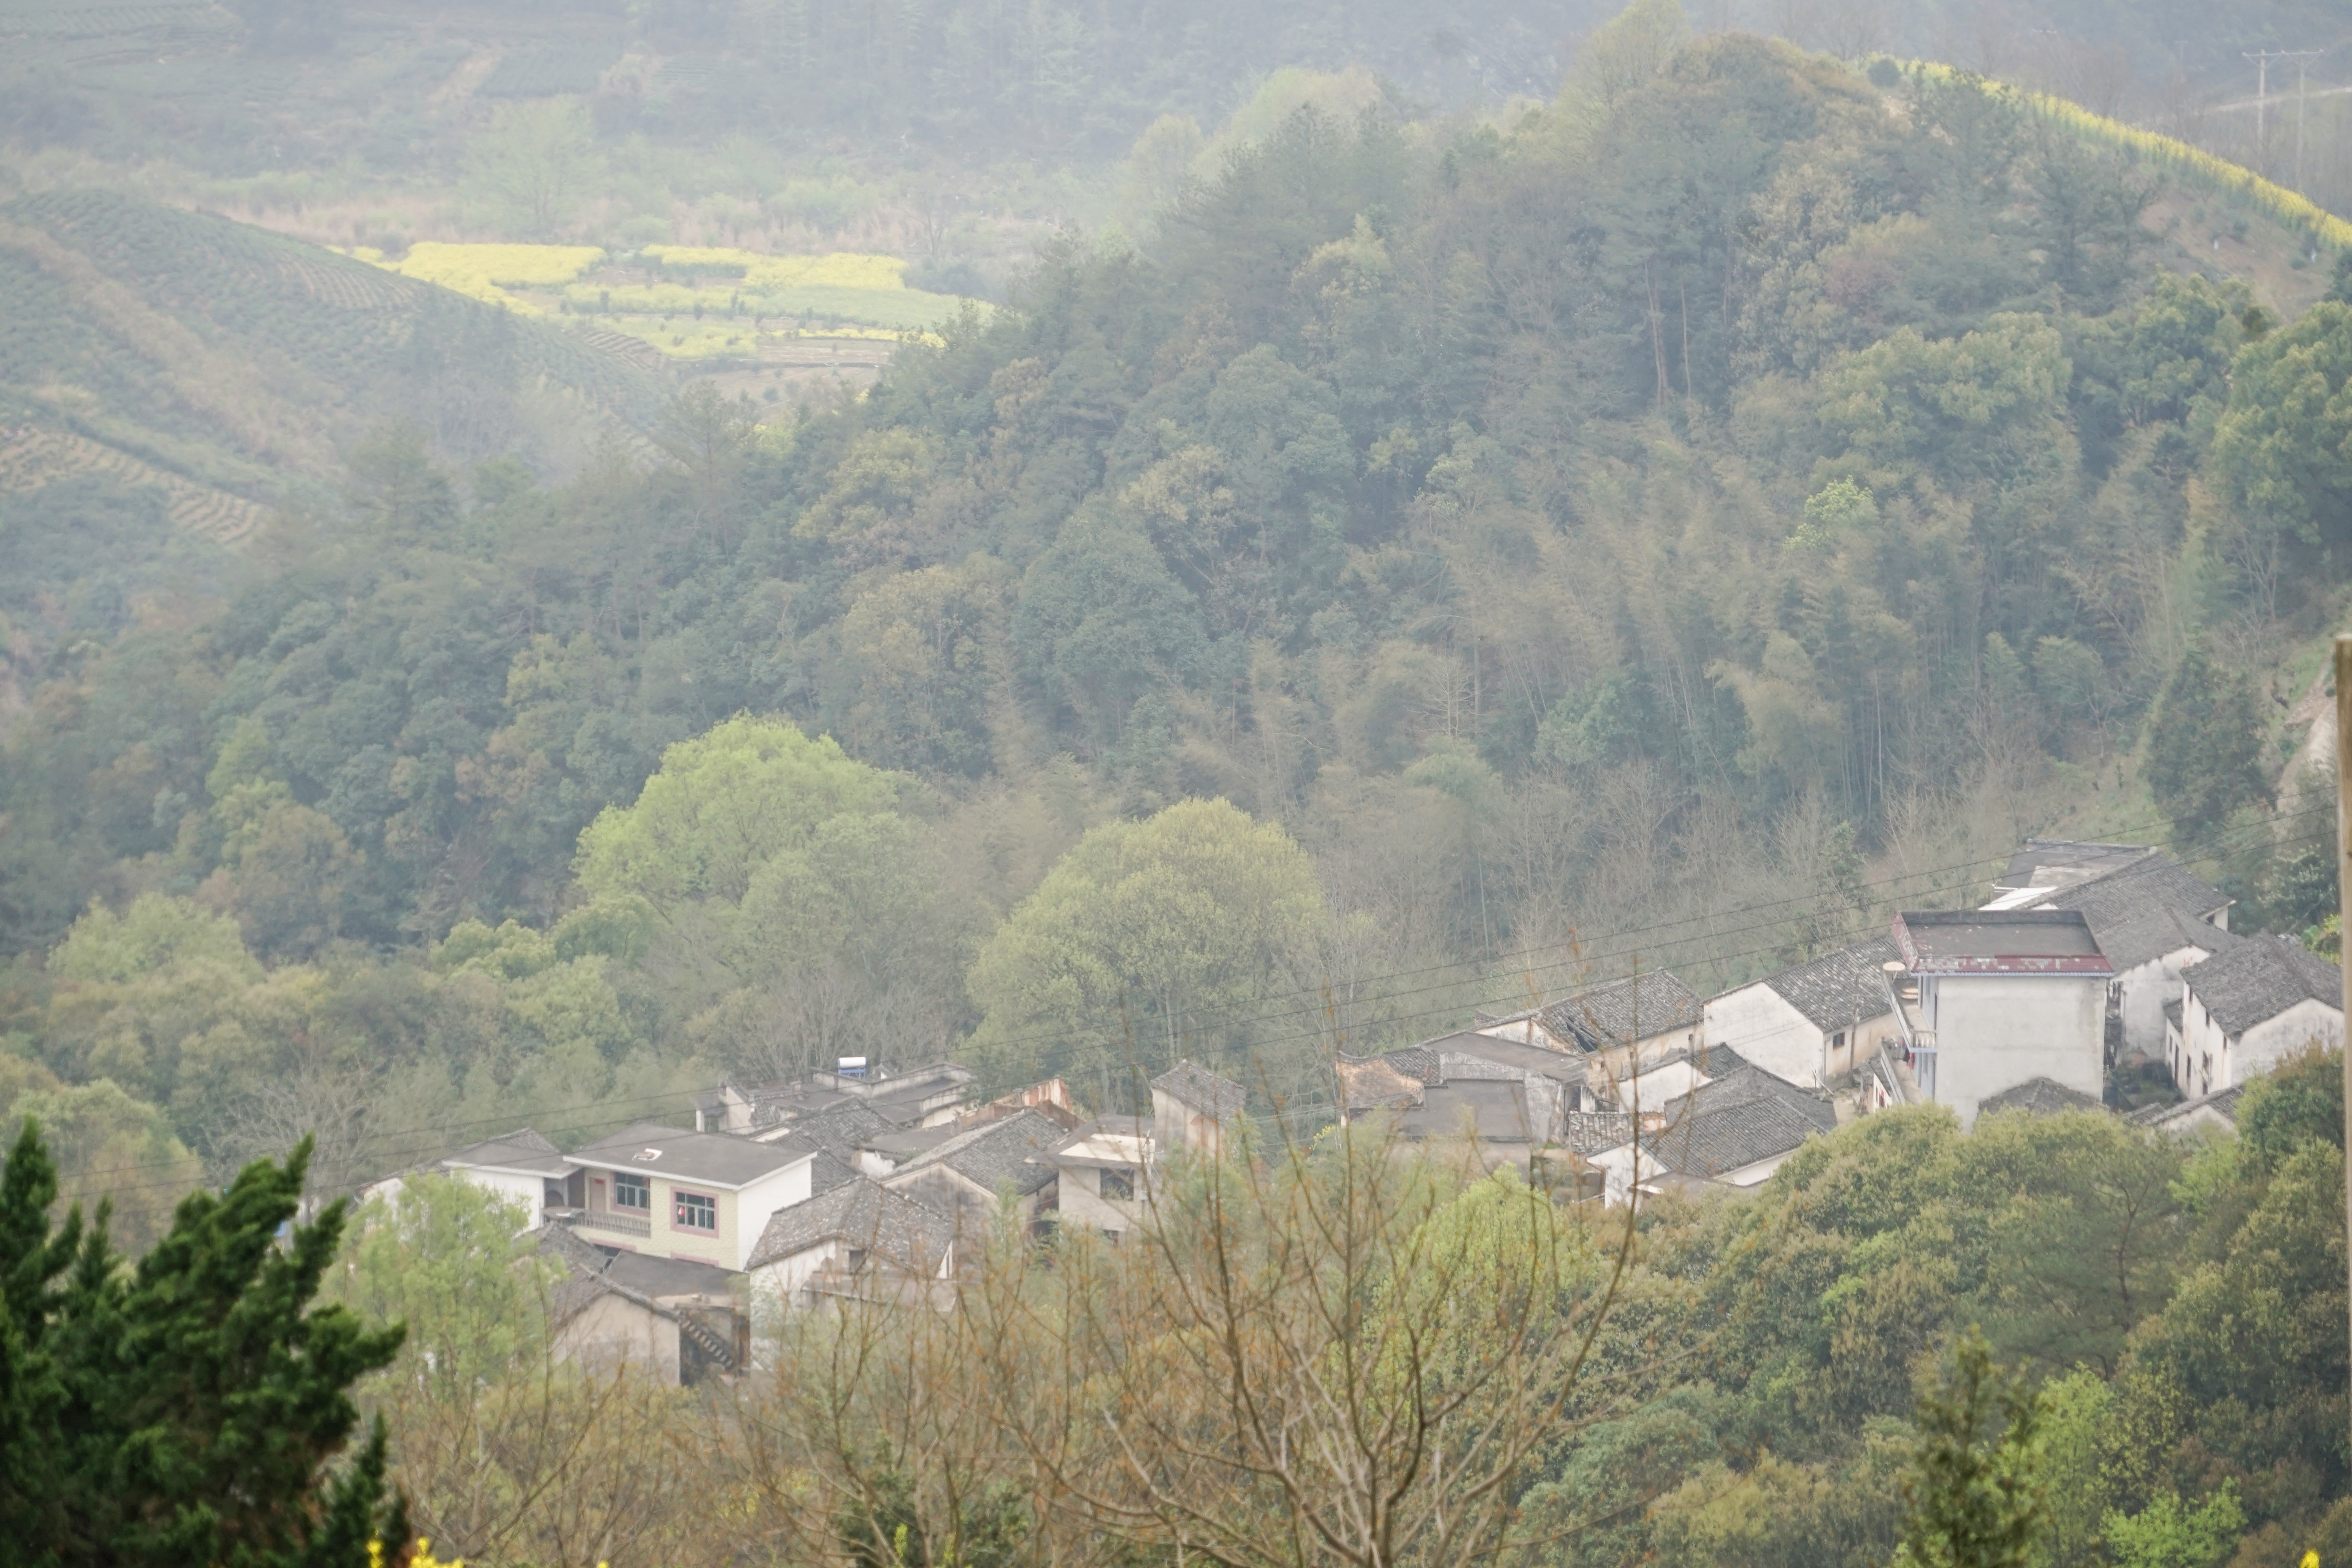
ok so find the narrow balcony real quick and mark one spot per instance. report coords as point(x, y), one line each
point(612, 1220)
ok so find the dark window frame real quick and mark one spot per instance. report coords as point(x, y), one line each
point(680, 1202)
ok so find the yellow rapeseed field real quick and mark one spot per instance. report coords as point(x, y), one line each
point(842, 270)
point(2280, 206)
point(477, 270)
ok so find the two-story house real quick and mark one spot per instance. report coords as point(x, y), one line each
point(701, 1197)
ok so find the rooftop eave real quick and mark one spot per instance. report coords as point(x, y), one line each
point(2012, 964)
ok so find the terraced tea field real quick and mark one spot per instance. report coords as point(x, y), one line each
point(32, 459)
point(249, 361)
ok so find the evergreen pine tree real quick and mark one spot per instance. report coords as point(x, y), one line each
point(185, 1409)
point(1973, 1499)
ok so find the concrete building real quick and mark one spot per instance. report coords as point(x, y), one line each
point(521, 1165)
point(2242, 1010)
point(701, 1197)
point(1812, 1022)
point(1989, 999)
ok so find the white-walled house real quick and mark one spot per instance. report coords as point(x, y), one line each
point(1194, 1109)
point(859, 1238)
point(521, 1165)
point(1621, 1023)
point(1990, 999)
point(684, 1320)
point(701, 1197)
point(2244, 1010)
point(1732, 1132)
point(1812, 1022)
point(1106, 1175)
point(983, 1168)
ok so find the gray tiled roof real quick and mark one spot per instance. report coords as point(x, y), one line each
point(1838, 989)
point(591, 1271)
point(1735, 1121)
point(866, 1214)
point(2221, 1102)
point(2172, 1012)
point(1415, 1061)
point(1593, 1132)
point(2063, 862)
point(521, 1149)
point(715, 1157)
point(2040, 1097)
point(829, 1170)
point(1521, 1059)
point(2258, 979)
point(1016, 1151)
point(1622, 1011)
point(851, 1125)
point(2150, 907)
point(1495, 1109)
point(1202, 1091)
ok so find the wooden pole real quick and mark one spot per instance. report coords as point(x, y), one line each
point(2344, 881)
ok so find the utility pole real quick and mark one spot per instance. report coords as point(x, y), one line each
point(2262, 58)
point(2301, 109)
point(2343, 879)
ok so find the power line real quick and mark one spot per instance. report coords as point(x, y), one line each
point(1858, 923)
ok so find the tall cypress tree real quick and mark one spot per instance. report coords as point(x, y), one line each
point(186, 1409)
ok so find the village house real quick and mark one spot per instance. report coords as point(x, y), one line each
point(521, 1165)
point(1987, 999)
point(1105, 1168)
point(684, 1320)
point(855, 1239)
point(1812, 1023)
point(702, 1196)
point(2150, 915)
point(925, 1096)
point(1193, 1108)
point(1008, 1163)
point(1624, 1027)
point(1734, 1131)
point(2244, 1010)
point(2214, 1112)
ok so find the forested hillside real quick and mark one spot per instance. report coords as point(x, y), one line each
point(1745, 486)
point(1412, 563)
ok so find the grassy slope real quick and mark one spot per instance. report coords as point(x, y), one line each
point(241, 362)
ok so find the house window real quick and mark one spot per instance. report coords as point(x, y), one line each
point(632, 1191)
point(1119, 1183)
point(696, 1212)
point(857, 1261)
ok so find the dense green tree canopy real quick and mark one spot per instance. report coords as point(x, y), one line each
point(1148, 942)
